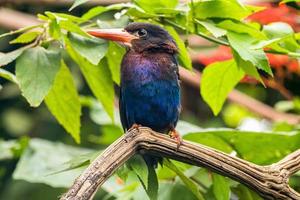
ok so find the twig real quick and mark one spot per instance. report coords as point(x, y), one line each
point(270, 182)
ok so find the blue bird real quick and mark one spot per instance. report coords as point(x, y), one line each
point(149, 90)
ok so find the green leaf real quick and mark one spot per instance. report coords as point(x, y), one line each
point(26, 37)
point(63, 102)
point(245, 193)
point(240, 27)
point(242, 43)
point(54, 155)
point(151, 6)
point(12, 148)
point(288, 1)
point(261, 148)
point(36, 69)
point(152, 189)
point(93, 12)
point(212, 28)
point(278, 29)
point(98, 78)
point(93, 49)
point(139, 166)
point(247, 66)
point(188, 182)
point(77, 3)
point(220, 9)
point(221, 187)
point(7, 75)
point(184, 57)
point(72, 27)
point(6, 58)
point(54, 29)
point(20, 30)
point(218, 80)
point(114, 58)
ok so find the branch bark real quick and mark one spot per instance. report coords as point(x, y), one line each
point(270, 182)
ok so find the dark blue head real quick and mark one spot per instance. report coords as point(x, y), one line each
point(140, 37)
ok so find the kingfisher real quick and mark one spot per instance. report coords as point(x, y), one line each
point(150, 84)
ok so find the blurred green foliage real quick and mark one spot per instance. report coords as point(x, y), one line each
point(64, 67)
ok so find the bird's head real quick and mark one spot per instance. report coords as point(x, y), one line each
point(140, 37)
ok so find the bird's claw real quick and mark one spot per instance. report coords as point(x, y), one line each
point(176, 136)
point(135, 126)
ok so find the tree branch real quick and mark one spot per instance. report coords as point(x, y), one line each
point(270, 182)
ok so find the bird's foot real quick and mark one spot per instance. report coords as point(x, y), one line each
point(176, 136)
point(135, 126)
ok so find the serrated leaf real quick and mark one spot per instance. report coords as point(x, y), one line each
point(114, 56)
point(184, 57)
point(7, 75)
point(240, 27)
point(212, 28)
point(242, 43)
point(36, 69)
point(63, 102)
point(54, 155)
point(26, 37)
point(247, 66)
point(98, 78)
point(218, 80)
point(221, 187)
point(77, 3)
point(188, 182)
point(220, 9)
point(93, 49)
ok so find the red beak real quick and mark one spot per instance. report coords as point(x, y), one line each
point(117, 35)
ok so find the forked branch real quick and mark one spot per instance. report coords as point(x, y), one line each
point(271, 182)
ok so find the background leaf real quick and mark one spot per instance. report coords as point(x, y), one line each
point(218, 80)
point(7, 75)
point(98, 78)
point(43, 64)
point(241, 43)
point(189, 183)
point(221, 187)
point(220, 9)
point(114, 58)
point(93, 49)
point(63, 102)
point(184, 57)
point(26, 37)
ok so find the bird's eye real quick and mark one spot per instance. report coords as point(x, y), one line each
point(142, 33)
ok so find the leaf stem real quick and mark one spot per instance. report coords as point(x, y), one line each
point(20, 30)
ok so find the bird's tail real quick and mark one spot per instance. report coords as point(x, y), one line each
point(152, 160)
